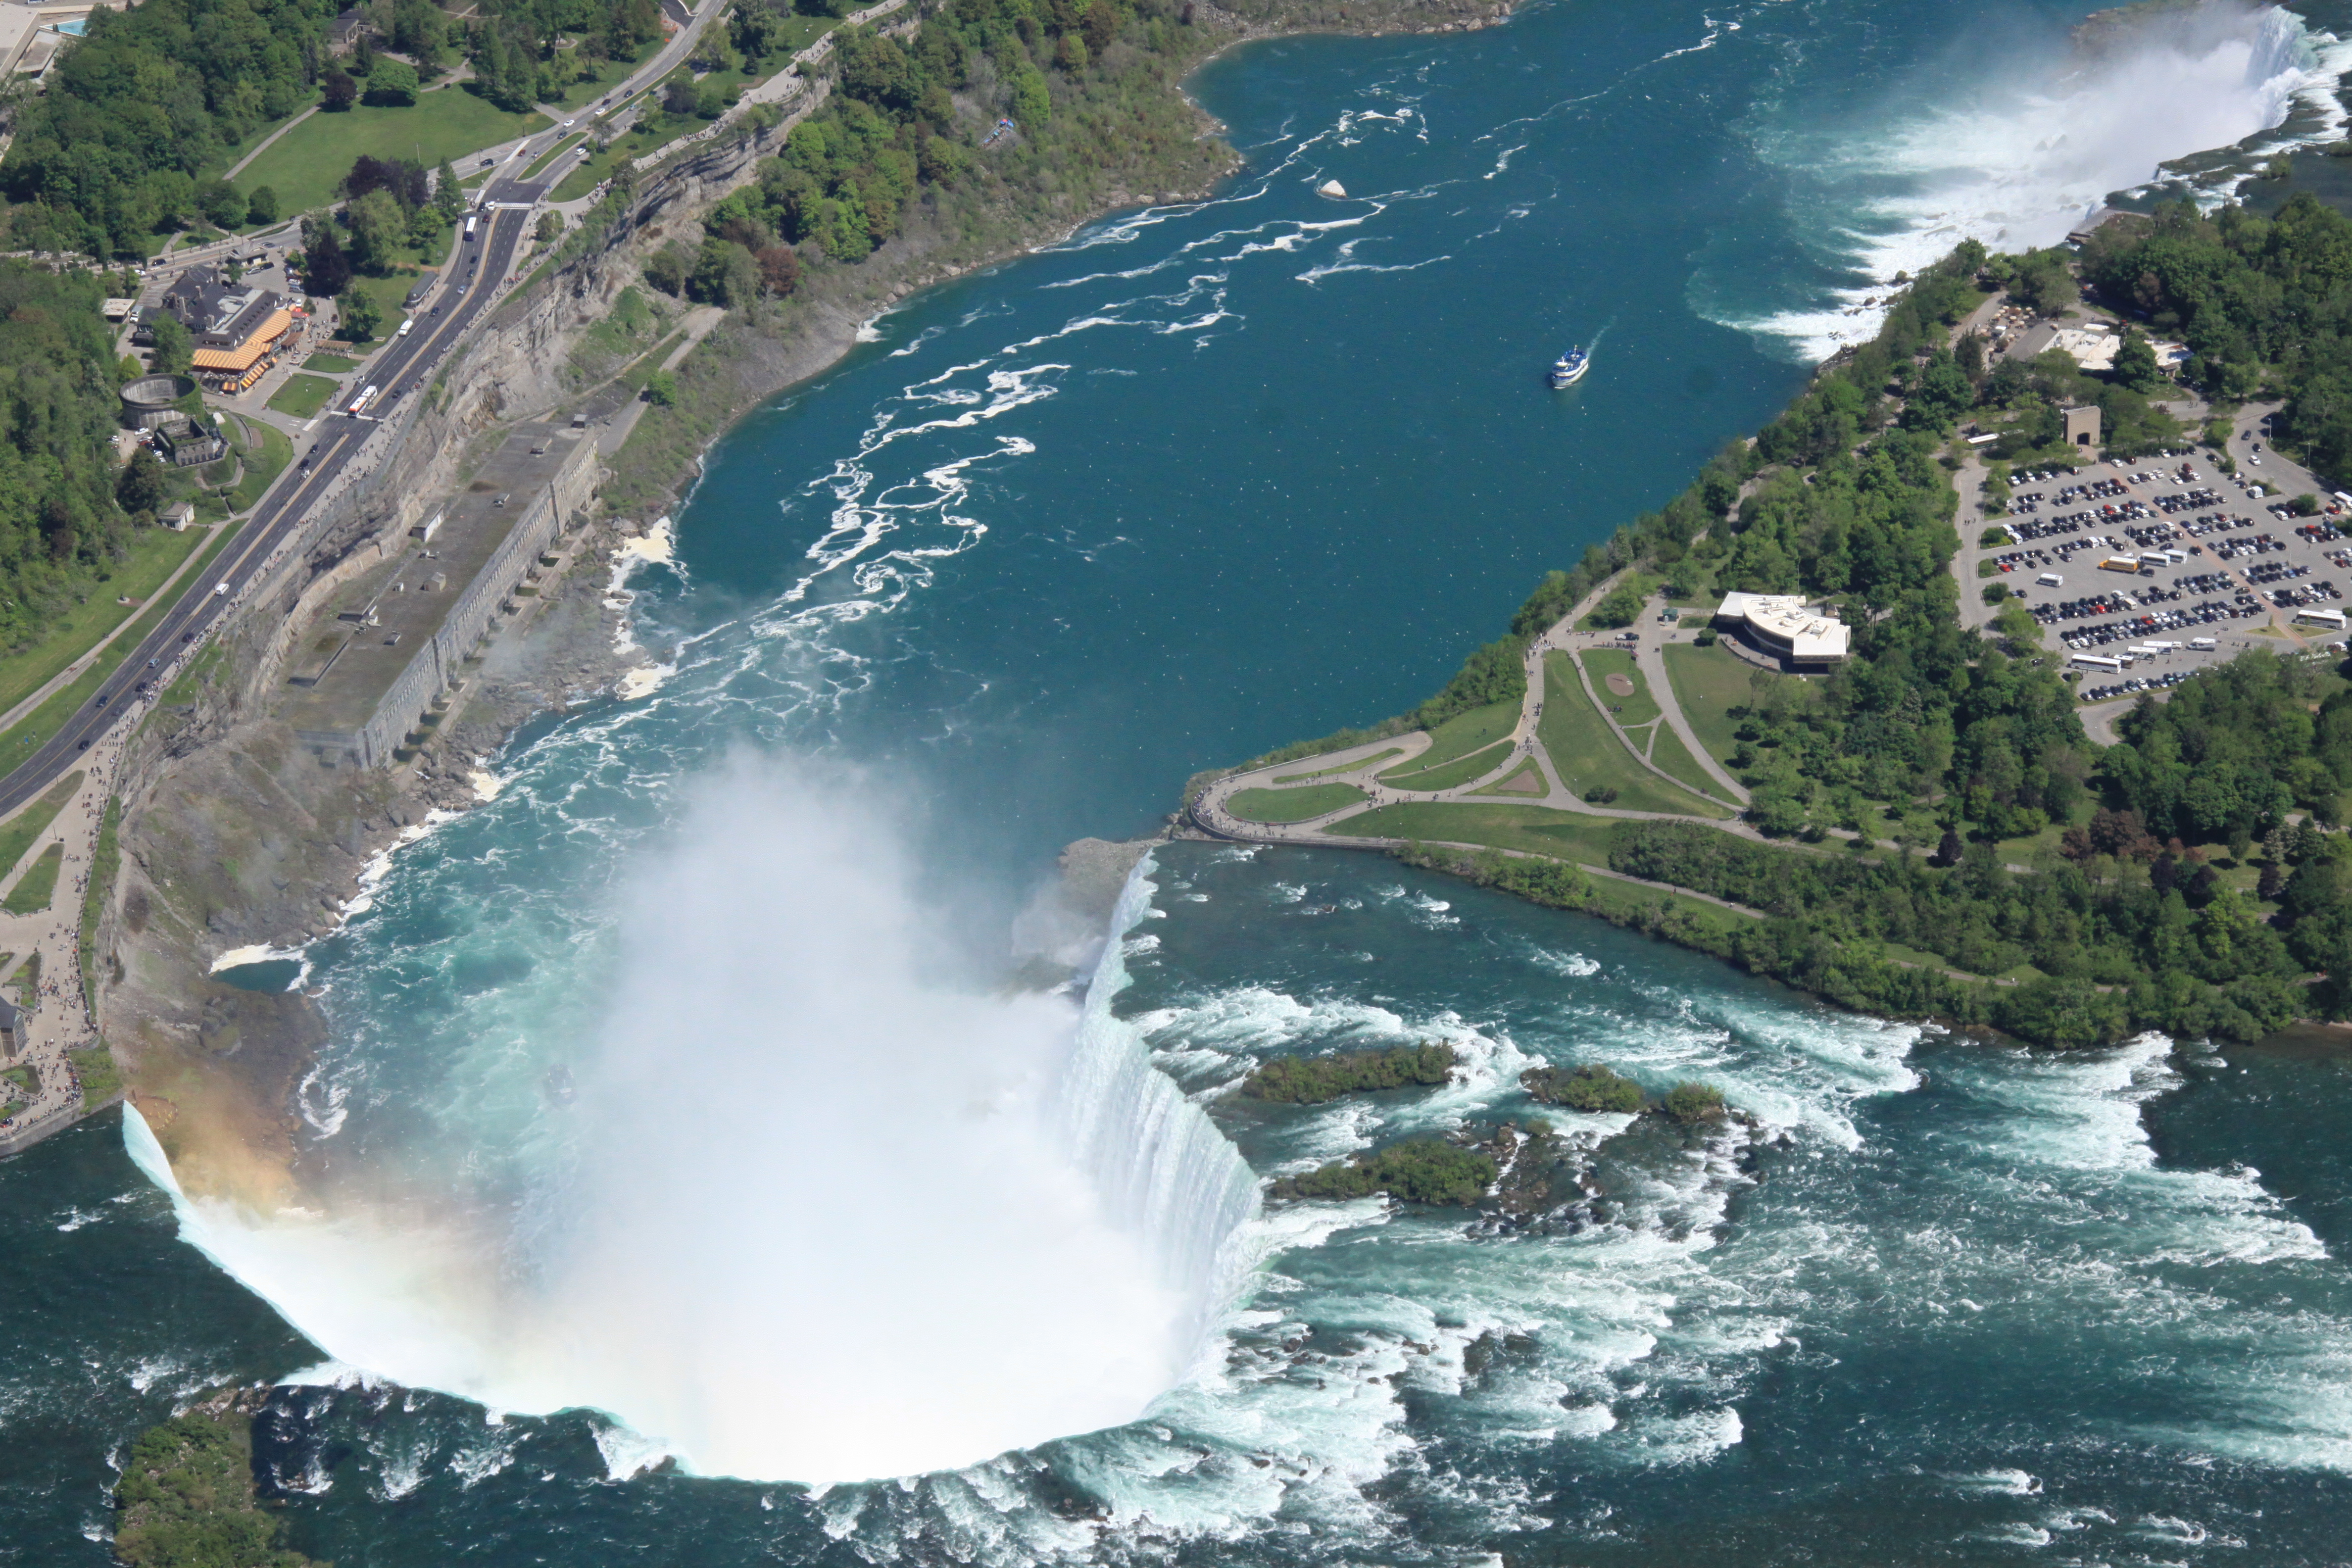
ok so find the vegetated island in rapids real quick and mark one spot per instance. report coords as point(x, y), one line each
point(2189, 879)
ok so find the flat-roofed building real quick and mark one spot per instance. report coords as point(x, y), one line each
point(1801, 636)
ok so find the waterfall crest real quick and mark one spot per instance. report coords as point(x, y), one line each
point(1163, 1171)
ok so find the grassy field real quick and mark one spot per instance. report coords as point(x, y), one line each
point(1589, 758)
point(105, 861)
point(302, 396)
point(1454, 774)
point(1292, 804)
point(1708, 683)
point(100, 1080)
point(1601, 663)
point(28, 824)
point(46, 720)
point(192, 678)
point(1537, 829)
point(1341, 767)
point(155, 553)
point(306, 163)
point(1458, 737)
point(1534, 829)
point(264, 460)
point(1669, 753)
point(1519, 776)
point(39, 884)
point(333, 364)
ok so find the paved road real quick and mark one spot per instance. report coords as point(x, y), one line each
point(337, 455)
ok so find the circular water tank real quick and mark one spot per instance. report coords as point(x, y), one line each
point(147, 402)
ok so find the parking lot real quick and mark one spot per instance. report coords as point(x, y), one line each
point(2163, 564)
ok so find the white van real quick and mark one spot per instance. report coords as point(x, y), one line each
point(2050, 580)
point(2202, 644)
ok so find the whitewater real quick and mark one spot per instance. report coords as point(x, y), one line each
point(710, 1149)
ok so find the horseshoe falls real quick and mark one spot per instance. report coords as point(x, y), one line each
point(692, 1184)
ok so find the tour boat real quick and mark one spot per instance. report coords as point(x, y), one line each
point(1570, 368)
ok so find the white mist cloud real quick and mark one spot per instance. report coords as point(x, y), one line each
point(2033, 139)
point(816, 1226)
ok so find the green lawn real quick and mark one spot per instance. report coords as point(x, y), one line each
point(100, 1080)
point(1538, 829)
point(1458, 737)
point(1669, 753)
point(38, 885)
point(333, 365)
point(1454, 774)
point(583, 176)
point(1588, 757)
point(1601, 663)
point(1292, 804)
point(1708, 683)
point(387, 291)
point(309, 161)
point(105, 861)
point(1516, 776)
point(191, 678)
point(46, 720)
point(154, 554)
point(1534, 829)
point(264, 460)
point(1341, 767)
point(302, 396)
point(30, 823)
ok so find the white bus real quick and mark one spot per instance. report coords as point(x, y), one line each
point(2101, 661)
point(471, 219)
point(361, 401)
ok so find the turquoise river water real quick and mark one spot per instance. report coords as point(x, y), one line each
point(689, 1187)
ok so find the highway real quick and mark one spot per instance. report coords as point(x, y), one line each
point(402, 369)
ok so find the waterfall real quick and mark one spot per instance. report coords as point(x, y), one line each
point(1163, 1169)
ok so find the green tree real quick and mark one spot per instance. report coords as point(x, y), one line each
point(327, 271)
point(261, 207)
point(448, 194)
point(550, 226)
point(393, 83)
point(141, 487)
point(661, 389)
point(337, 91)
point(724, 274)
point(1032, 100)
point(1621, 607)
point(220, 204)
point(2135, 365)
point(361, 317)
point(377, 224)
point(175, 348)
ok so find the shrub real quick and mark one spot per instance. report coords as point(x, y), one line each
point(1592, 1087)
point(1429, 1170)
point(1309, 1080)
point(1689, 1102)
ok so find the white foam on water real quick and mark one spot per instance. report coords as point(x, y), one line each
point(259, 952)
point(2037, 143)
